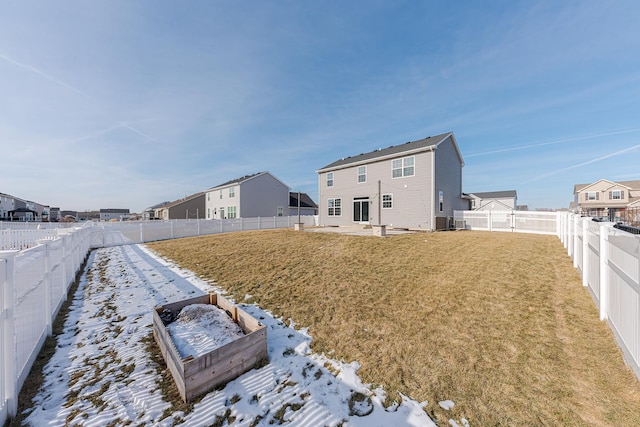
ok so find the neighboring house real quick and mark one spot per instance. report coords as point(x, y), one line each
point(606, 199)
point(54, 214)
point(89, 216)
point(190, 207)
point(493, 201)
point(151, 213)
point(251, 196)
point(114, 214)
point(415, 185)
point(7, 204)
point(307, 205)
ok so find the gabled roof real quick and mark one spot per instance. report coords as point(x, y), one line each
point(426, 144)
point(184, 199)
point(496, 194)
point(305, 200)
point(245, 178)
point(631, 185)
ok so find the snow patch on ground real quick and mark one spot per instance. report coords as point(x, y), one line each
point(101, 372)
point(201, 328)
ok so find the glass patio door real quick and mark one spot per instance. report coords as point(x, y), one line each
point(361, 209)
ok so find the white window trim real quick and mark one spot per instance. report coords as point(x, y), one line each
point(329, 179)
point(358, 174)
point(403, 167)
point(334, 206)
point(389, 201)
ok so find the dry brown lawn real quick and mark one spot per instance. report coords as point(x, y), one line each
point(497, 322)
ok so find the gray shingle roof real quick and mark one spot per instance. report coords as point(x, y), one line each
point(394, 149)
point(237, 180)
point(496, 194)
point(631, 184)
point(305, 200)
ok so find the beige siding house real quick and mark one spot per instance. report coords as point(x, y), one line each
point(416, 185)
point(606, 199)
point(494, 201)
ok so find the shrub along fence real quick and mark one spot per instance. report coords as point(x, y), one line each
point(38, 265)
point(607, 257)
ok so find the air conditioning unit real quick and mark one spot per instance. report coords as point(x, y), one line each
point(460, 224)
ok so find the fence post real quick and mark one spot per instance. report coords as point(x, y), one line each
point(10, 366)
point(576, 241)
point(241, 224)
point(585, 251)
point(141, 232)
point(604, 271)
point(48, 310)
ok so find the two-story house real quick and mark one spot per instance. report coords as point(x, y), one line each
point(493, 201)
point(606, 199)
point(258, 195)
point(416, 185)
point(189, 207)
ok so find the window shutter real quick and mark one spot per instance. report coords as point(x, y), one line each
point(610, 195)
point(597, 195)
point(622, 194)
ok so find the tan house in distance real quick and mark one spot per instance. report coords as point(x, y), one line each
point(606, 199)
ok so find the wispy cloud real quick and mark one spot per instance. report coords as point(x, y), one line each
point(589, 162)
point(559, 141)
point(43, 74)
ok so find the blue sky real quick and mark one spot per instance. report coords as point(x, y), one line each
point(119, 104)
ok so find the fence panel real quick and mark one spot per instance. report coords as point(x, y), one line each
point(3, 340)
point(624, 286)
point(29, 309)
point(592, 273)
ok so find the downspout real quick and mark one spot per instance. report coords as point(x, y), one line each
point(433, 189)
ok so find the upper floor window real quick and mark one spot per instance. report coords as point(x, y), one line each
point(280, 211)
point(232, 191)
point(221, 194)
point(616, 194)
point(592, 195)
point(330, 179)
point(387, 201)
point(208, 197)
point(403, 167)
point(334, 207)
point(362, 174)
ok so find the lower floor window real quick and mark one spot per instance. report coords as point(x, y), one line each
point(232, 212)
point(387, 201)
point(334, 207)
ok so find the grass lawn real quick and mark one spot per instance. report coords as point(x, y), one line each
point(499, 323)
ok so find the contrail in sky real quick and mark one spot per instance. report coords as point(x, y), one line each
point(45, 75)
point(560, 141)
point(597, 159)
point(131, 128)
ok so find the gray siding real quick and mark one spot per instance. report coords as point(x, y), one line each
point(448, 173)
point(261, 196)
point(411, 195)
point(415, 198)
point(189, 209)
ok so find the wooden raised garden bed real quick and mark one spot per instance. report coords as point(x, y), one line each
point(195, 376)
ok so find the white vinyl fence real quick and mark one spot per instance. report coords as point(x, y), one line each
point(609, 262)
point(34, 283)
point(608, 259)
point(512, 221)
point(38, 265)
